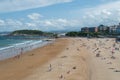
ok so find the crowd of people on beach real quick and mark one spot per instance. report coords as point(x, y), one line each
point(101, 46)
point(97, 47)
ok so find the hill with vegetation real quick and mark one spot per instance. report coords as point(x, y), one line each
point(31, 33)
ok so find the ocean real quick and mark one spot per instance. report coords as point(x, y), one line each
point(11, 46)
point(6, 41)
point(9, 42)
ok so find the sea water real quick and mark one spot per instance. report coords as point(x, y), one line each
point(10, 40)
point(13, 46)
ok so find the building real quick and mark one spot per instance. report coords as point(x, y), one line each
point(61, 35)
point(84, 29)
point(113, 29)
point(89, 29)
point(93, 29)
point(118, 29)
point(103, 28)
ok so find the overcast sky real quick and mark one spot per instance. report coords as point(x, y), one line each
point(57, 14)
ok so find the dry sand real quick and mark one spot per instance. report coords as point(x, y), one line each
point(66, 59)
point(104, 67)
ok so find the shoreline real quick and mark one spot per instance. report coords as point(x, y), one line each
point(21, 48)
point(18, 68)
point(66, 59)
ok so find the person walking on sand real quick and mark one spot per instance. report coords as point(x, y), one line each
point(112, 51)
point(50, 68)
point(21, 51)
point(61, 77)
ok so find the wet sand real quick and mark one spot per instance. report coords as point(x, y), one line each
point(19, 68)
point(66, 59)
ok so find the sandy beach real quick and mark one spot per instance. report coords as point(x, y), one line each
point(66, 59)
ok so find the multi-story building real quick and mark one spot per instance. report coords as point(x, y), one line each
point(93, 29)
point(113, 29)
point(89, 29)
point(118, 30)
point(84, 29)
point(103, 28)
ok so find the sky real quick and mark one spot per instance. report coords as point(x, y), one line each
point(49, 15)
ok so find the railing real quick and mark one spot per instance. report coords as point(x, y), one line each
point(18, 49)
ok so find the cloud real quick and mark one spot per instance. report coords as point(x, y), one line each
point(108, 6)
point(108, 14)
point(10, 24)
point(13, 22)
point(54, 24)
point(31, 24)
point(17, 5)
point(109, 0)
point(34, 16)
point(34, 21)
point(2, 23)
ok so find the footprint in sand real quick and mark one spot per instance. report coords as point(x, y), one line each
point(63, 56)
point(31, 55)
point(109, 63)
point(67, 48)
point(111, 68)
point(117, 71)
point(68, 72)
point(74, 67)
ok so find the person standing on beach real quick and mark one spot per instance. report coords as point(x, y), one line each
point(112, 51)
point(50, 68)
point(21, 51)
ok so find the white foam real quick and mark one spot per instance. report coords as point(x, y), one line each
point(16, 49)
